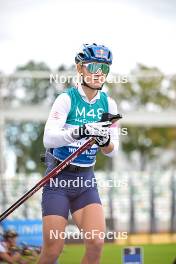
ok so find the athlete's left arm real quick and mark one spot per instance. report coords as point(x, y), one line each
point(112, 149)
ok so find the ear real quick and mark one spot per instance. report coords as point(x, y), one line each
point(79, 68)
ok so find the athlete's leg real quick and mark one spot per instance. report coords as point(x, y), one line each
point(53, 244)
point(91, 220)
point(55, 210)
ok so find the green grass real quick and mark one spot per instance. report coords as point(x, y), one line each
point(153, 254)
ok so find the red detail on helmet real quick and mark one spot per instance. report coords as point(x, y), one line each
point(100, 53)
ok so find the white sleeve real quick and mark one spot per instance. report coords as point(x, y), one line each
point(54, 134)
point(2, 249)
point(112, 106)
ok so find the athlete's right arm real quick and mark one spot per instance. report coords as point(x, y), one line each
point(54, 134)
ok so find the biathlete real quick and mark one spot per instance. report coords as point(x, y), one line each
point(9, 252)
point(74, 118)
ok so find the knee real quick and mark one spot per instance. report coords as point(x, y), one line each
point(97, 243)
point(52, 251)
point(94, 248)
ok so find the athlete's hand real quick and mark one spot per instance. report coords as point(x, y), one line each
point(99, 129)
point(103, 141)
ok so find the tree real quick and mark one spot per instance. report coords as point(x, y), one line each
point(145, 90)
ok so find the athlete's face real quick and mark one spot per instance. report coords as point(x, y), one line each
point(12, 241)
point(94, 80)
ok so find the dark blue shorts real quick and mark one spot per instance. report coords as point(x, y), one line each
point(69, 191)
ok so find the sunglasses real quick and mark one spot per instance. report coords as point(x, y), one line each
point(93, 67)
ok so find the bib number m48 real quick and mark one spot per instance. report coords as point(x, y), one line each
point(94, 113)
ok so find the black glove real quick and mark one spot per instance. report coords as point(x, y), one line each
point(103, 141)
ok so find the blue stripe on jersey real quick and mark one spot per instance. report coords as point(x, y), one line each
point(87, 157)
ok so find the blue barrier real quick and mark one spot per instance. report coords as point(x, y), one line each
point(30, 231)
point(132, 255)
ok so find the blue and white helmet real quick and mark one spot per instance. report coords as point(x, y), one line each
point(94, 52)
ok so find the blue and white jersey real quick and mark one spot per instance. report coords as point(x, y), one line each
point(70, 110)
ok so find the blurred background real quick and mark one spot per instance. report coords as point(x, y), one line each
point(41, 38)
